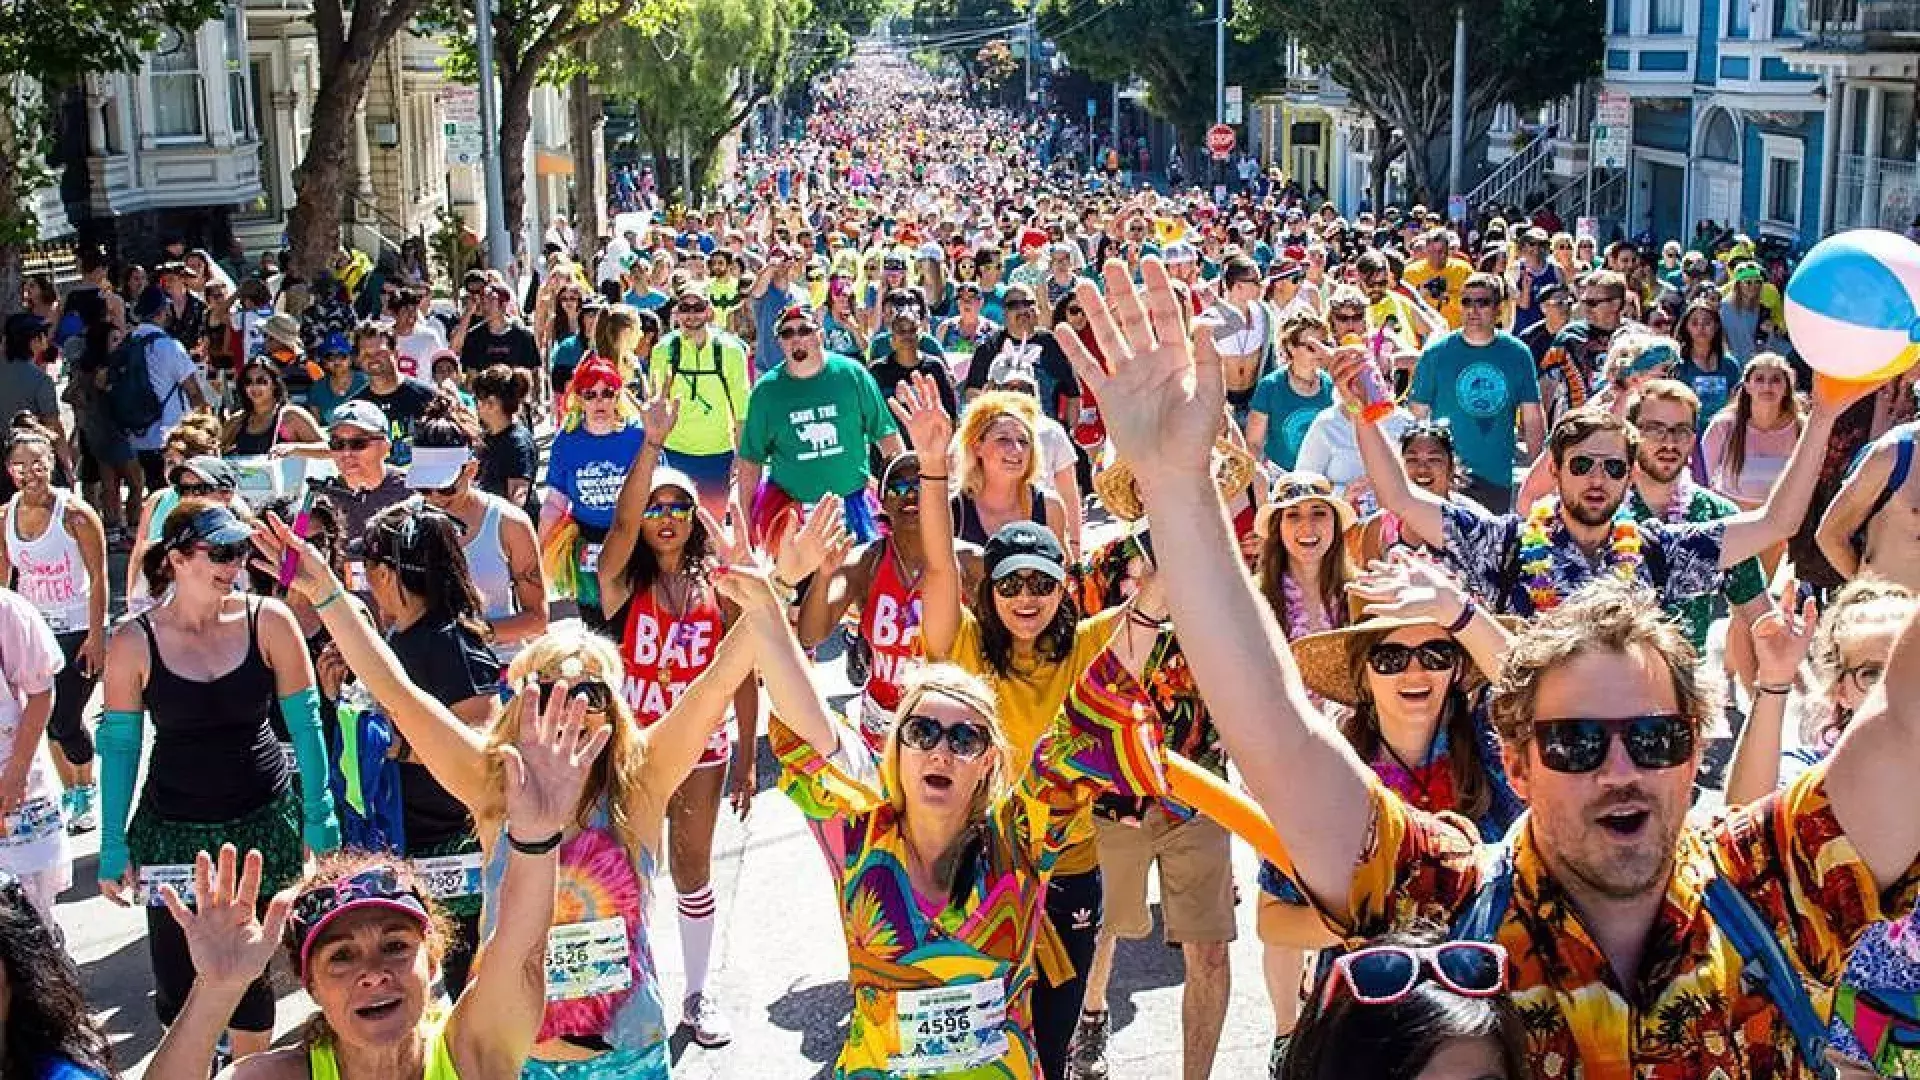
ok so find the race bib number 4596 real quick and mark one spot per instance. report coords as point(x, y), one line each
point(951, 1028)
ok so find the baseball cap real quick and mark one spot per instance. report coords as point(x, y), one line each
point(1025, 545)
point(796, 313)
point(435, 467)
point(213, 470)
point(25, 326)
point(374, 888)
point(1179, 252)
point(336, 344)
point(364, 415)
point(215, 525)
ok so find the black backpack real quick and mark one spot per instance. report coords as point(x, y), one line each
point(128, 397)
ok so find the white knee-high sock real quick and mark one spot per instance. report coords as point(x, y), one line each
point(697, 910)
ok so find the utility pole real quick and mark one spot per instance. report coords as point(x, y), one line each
point(1457, 138)
point(1220, 61)
point(499, 245)
point(1032, 7)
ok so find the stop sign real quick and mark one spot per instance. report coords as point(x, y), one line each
point(1220, 140)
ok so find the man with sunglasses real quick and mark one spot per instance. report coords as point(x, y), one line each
point(908, 350)
point(1619, 966)
point(961, 335)
point(1574, 360)
point(1478, 379)
point(1026, 347)
point(357, 442)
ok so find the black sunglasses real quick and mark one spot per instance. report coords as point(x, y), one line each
point(350, 445)
point(1581, 465)
point(1026, 581)
point(194, 491)
point(924, 733)
point(1579, 744)
point(1392, 657)
point(598, 695)
point(224, 554)
point(1478, 302)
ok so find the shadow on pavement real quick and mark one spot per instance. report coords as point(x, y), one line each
point(819, 1013)
point(120, 996)
point(1139, 966)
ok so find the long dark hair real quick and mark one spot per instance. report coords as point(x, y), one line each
point(1733, 454)
point(1395, 1042)
point(1053, 646)
point(47, 1017)
point(1336, 569)
point(696, 559)
point(421, 544)
point(243, 406)
point(1472, 788)
point(1717, 347)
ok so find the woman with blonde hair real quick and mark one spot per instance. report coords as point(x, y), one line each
point(1000, 469)
point(611, 844)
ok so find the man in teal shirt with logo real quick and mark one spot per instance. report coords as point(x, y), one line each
point(1480, 379)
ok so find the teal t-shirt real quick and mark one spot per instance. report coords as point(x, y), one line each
point(1478, 390)
point(1288, 413)
point(812, 435)
point(1714, 388)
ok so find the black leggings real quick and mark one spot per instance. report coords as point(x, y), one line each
point(173, 976)
point(1074, 906)
point(67, 726)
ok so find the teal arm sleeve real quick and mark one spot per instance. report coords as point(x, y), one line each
point(119, 741)
point(302, 712)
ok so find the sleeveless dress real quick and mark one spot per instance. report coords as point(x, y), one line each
point(664, 654)
point(890, 626)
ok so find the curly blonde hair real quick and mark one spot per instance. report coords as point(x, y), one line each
point(986, 410)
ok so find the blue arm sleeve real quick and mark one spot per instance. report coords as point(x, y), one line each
point(119, 741)
point(302, 711)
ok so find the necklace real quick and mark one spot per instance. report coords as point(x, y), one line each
point(1536, 552)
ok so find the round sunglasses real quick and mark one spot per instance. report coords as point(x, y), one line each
point(923, 733)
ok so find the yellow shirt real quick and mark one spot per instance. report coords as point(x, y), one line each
point(1029, 703)
point(1455, 273)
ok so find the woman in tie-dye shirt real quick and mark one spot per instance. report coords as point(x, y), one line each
point(941, 847)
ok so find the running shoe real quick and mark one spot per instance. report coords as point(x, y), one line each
point(702, 1015)
point(81, 817)
point(1089, 1054)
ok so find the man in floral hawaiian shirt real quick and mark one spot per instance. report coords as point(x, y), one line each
point(1618, 970)
point(1527, 565)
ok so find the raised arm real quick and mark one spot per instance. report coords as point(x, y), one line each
point(451, 750)
point(1753, 532)
point(1870, 776)
point(1163, 411)
point(1420, 510)
point(1780, 642)
point(916, 405)
point(1849, 509)
point(658, 414)
point(1407, 585)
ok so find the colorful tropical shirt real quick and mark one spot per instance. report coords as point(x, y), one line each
point(1747, 581)
point(942, 985)
point(1484, 550)
point(1688, 1015)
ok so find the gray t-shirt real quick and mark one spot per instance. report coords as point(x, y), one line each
point(25, 385)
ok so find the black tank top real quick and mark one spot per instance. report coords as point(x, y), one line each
point(215, 757)
point(249, 444)
point(974, 531)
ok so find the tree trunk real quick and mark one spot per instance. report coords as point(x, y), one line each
point(663, 170)
point(516, 120)
point(322, 179)
point(13, 210)
point(588, 124)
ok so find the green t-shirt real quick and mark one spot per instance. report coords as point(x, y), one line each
point(711, 383)
point(1742, 583)
point(812, 435)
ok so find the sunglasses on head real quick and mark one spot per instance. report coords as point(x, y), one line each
point(1582, 464)
point(350, 444)
point(597, 694)
point(1392, 657)
point(1580, 744)
point(1025, 581)
point(923, 733)
point(223, 554)
point(1385, 974)
point(672, 511)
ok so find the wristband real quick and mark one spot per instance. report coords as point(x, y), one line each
point(1467, 611)
point(534, 847)
point(786, 593)
point(331, 597)
point(1782, 689)
point(936, 479)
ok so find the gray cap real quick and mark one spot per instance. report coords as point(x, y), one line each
point(364, 415)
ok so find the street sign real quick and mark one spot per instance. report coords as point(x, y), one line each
point(1234, 106)
point(1220, 141)
point(1456, 208)
point(460, 125)
point(1093, 108)
point(1612, 129)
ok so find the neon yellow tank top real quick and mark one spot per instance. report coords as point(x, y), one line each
point(322, 1066)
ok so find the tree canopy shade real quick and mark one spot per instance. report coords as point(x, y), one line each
point(1395, 57)
point(1168, 43)
point(51, 45)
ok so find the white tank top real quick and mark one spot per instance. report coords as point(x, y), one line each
point(1242, 335)
point(487, 564)
point(53, 576)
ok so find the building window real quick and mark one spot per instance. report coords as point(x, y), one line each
point(1789, 18)
point(174, 82)
point(1667, 17)
point(1739, 18)
point(1622, 22)
point(246, 122)
point(1780, 180)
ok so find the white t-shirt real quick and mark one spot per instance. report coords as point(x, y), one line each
point(1329, 449)
point(1056, 452)
point(33, 839)
point(169, 366)
point(414, 352)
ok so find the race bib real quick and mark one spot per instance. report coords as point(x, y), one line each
point(951, 1028)
point(587, 959)
point(287, 756)
point(178, 875)
point(357, 576)
point(590, 559)
point(34, 819)
point(449, 877)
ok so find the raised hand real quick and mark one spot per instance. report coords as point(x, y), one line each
point(659, 409)
point(1409, 586)
point(273, 538)
point(823, 539)
point(229, 946)
point(1783, 636)
point(1160, 393)
point(916, 404)
point(549, 764)
point(749, 585)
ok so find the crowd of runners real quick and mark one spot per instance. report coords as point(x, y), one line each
point(446, 634)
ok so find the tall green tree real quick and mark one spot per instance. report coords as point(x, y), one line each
point(1395, 57)
point(700, 78)
point(1169, 44)
point(535, 42)
point(44, 49)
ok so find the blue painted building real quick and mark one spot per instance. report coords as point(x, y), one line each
point(1785, 118)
